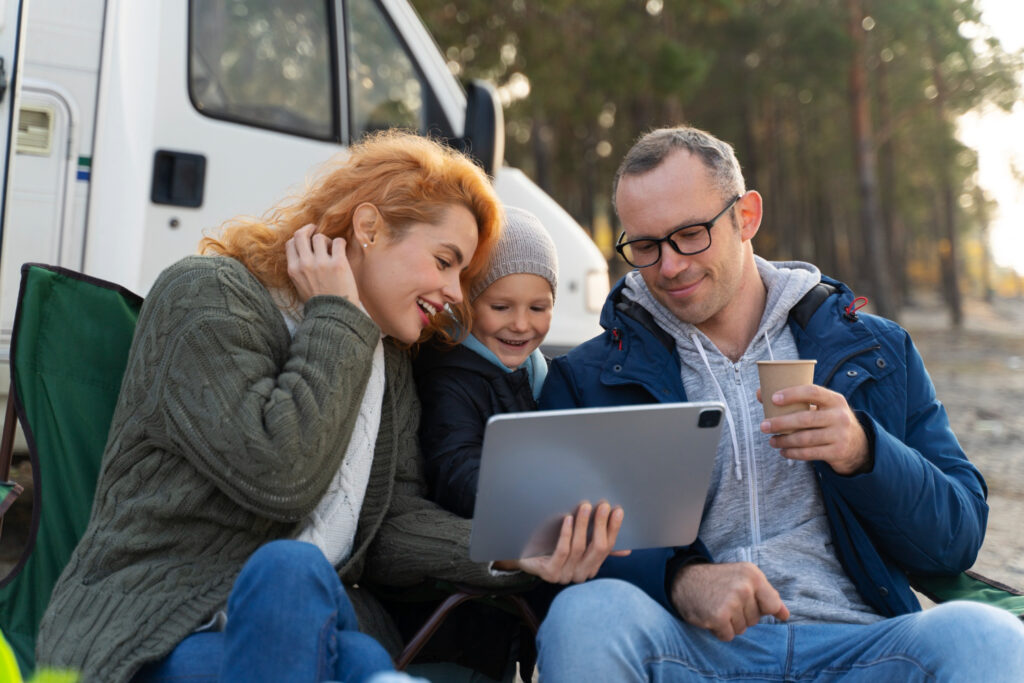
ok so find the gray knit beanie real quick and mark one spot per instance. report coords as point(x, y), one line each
point(524, 247)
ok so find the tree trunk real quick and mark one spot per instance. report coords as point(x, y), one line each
point(877, 269)
point(541, 152)
point(948, 251)
point(949, 243)
point(897, 238)
point(987, 290)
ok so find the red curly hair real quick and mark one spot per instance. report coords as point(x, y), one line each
point(409, 178)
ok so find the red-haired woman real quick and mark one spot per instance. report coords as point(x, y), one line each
point(268, 395)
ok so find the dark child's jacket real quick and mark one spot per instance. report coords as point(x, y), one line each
point(920, 510)
point(459, 390)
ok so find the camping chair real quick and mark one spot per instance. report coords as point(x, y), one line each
point(69, 348)
point(457, 594)
point(68, 353)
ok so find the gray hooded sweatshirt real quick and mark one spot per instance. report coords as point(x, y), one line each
point(761, 507)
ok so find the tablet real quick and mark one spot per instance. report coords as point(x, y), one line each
point(653, 460)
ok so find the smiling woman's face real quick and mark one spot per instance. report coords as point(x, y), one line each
point(405, 279)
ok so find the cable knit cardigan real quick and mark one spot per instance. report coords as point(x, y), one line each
point(225, 436)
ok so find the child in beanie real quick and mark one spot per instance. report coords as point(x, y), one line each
point(498, 368)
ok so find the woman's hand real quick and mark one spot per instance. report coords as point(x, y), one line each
point(318, 265)
point(573, 560)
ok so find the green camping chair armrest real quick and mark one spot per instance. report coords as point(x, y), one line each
point(970, 586)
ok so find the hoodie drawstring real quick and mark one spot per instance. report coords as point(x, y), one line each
point(728, 413)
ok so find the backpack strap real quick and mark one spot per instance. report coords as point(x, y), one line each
point(811, 301)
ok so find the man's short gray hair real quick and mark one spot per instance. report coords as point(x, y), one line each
point(654, 147)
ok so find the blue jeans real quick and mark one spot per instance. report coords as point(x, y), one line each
point(610, 630)
point(289, 619)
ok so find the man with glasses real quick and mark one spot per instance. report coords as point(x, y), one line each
point(813, 519)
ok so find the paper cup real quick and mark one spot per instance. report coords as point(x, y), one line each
point(782, 374)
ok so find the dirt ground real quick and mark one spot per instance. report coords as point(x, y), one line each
point(979, 376)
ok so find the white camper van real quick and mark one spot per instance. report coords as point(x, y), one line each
point(140, 124)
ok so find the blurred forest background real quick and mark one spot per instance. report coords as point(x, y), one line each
point(843, 114)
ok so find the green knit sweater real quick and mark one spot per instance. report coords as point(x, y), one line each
point(226, 434)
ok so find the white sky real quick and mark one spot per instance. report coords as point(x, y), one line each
point(999, 138)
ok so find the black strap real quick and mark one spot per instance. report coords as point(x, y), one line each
point(805, 309)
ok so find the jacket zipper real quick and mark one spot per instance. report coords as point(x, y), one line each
point(748, 458)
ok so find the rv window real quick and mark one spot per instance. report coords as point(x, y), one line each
point(265, 64)
point(386, 89)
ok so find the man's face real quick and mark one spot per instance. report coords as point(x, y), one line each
point(698, 287)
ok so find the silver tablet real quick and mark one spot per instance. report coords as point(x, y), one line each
point(653, 460)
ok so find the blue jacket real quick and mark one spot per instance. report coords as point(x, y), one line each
point(920, 510)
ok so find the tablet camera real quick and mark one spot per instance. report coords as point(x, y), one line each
point(709, 418)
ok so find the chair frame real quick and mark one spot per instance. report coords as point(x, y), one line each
point(7, 448)
point(462, 594)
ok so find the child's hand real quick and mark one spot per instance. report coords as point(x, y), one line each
point(318, 265)
point(573, 560)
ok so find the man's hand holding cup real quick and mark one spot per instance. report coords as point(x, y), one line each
point(809, 422)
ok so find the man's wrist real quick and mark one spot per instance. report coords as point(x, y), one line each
point(674, 569)
point(867, 425)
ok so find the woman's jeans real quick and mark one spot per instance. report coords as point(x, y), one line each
point(610, 630)
point(289, 619)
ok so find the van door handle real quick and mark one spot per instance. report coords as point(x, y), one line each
point(178, 178)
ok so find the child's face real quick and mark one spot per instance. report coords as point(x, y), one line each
point(513, 315)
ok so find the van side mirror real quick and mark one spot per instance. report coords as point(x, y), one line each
point(483, 137)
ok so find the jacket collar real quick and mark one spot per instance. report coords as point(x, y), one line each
point(435, 354)
point(835, 335)
point(640, 352)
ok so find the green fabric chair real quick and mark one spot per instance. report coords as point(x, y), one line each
point(68, 354)
point(970, 586)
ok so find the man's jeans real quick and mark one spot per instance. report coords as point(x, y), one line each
point(610, 630)
point(289, 619)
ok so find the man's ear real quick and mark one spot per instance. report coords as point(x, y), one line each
point(750, 213)
point(367, 224)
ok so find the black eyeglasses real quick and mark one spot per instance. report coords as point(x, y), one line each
point(686, 240)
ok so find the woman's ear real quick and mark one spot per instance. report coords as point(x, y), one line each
point(367, 224)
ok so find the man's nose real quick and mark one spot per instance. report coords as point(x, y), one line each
point(672, 262)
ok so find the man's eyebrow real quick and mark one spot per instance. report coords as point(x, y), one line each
point(692, 223)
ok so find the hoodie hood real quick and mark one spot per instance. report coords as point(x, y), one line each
point(786, 281)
